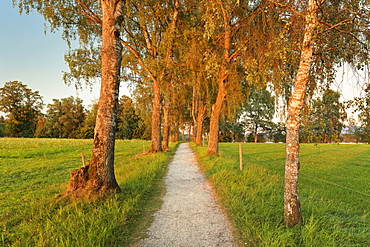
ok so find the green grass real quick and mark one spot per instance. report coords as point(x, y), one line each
point(33, 174)
point(334, 189)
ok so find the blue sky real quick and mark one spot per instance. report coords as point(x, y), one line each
point(35, 59)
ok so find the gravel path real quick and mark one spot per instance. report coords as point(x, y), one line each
point(189, 215)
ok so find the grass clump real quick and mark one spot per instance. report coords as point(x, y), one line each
point(34, 173)
point(334, 187)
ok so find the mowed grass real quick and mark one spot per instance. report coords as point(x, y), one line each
point(34, 173)
point(334, 189)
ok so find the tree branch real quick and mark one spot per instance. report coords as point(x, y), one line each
point(90, 14)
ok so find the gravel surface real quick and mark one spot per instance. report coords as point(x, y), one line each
point(189, 215)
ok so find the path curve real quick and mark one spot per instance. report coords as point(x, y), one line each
point(189, 215)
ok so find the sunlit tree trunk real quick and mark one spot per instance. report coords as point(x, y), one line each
point(166, 127)
point(156, 120)
point(156, 116)
point(223, 76)
point(190, 133)
point(199, 123)
point(215, 118)
point(98, 176)
point(292, 211)
point(255, 134)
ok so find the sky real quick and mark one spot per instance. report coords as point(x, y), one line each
point(34, 58)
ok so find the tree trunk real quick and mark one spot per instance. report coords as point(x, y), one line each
point(190, 133)
point(292, 212)
point(255, 134)
point(98, 176)
point(175, 132)
point(215, 118)
point(156, 120)
point(166, 127)
point(199, 123)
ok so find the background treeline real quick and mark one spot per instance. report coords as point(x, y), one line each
point(64, 118)
point(323, 119)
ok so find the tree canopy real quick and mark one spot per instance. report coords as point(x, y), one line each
point(23, 106)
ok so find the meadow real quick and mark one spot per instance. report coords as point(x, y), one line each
point(334, 190)
point(334, 184)
point(35, 172)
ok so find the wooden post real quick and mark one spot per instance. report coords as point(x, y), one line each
point(240, 156)
point(83, 159)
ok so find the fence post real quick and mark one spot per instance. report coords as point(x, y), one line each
point(240, 156)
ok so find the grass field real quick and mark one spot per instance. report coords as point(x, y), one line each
point(334, 189)
point(33, 174)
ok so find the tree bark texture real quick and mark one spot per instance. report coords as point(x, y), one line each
point(156, 120)
point(292, 212)
point(156, 115)
point(199, 123)
point(215, 117)
point(222, 84)
point(98, 176)
point(166, 127)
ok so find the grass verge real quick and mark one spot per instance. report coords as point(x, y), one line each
point(33, 173)
point(334, 187)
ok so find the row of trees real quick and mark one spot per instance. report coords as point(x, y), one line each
point(201, 59)
point(68, 118)
point(323, 120)
point(64, 118)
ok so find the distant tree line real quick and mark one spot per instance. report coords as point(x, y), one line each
point(64, 118)
point(323, 118)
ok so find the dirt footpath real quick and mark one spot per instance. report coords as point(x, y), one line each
point(189, 215)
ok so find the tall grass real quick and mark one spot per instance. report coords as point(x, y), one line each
point(334, 189)
point(33, 174)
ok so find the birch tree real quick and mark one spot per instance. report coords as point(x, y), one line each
point(92, 22)
point(333, 32)
point(150, 31)
point(292, 209)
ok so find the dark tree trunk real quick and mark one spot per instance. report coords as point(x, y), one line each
point(98, 176)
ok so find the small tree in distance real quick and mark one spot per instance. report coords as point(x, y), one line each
point(23, 107)
point(259, 111)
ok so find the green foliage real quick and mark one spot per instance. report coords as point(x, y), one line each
point(86, 131)
point(143, 97)
point(129, 123)
point(278, 132)
point(2, 130)
point(362, 106)
point(334, 207)
point(23, 108)
point(64, 118)
point(325, 119)
point(258, 112)
point(33, 173)
point(231, 131)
